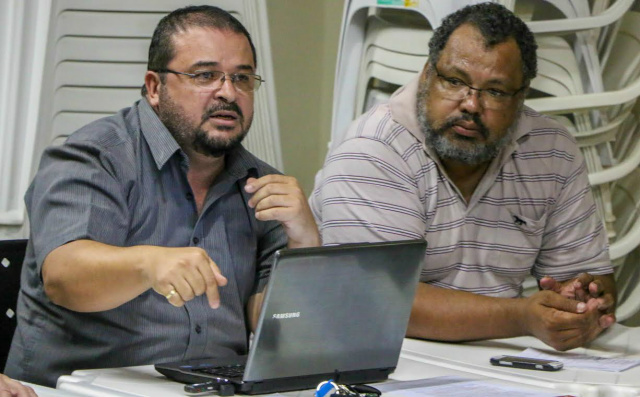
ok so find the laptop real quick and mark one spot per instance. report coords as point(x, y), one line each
point(333, 312)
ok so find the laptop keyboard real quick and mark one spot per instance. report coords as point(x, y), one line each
point(225, 371)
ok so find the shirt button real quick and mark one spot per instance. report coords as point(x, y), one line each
point(198, 329)
point(196, 240)
point(189, 196)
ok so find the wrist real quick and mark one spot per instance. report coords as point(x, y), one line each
point(143, 262)
point(518, 310)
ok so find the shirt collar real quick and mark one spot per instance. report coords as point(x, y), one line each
point(239, 163)
point(403, 108)
point(161, 143)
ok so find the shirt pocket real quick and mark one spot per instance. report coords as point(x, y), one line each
point(518, 244)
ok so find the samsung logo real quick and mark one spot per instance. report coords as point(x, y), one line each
point(286, 315)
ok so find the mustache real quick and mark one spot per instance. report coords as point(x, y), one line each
point(231, 106)
point(466, 117)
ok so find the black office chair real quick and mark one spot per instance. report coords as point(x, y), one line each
point(11, 257)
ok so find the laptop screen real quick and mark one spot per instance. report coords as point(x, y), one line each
point(335, 309)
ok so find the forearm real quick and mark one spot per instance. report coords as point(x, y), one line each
point(90, 276)
point(450, 315)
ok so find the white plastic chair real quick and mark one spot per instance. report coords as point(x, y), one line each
point(626, 202)
point(388, 66)
point(619, 102)
point(394, 50)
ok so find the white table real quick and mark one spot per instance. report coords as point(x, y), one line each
point(145, 381)
point(420, 359)
point(473, 358)
point(43, 391)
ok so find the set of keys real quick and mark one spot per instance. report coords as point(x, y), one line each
point(330, 388)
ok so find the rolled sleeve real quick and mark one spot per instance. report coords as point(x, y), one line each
point(78, 194)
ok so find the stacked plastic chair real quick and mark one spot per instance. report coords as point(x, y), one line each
point(589, 68)
point(391, 56)
point(614, 171)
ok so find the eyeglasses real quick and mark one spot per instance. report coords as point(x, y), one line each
point(491, 98)
point(213, 80)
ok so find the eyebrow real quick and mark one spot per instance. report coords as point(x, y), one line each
point(213, 64)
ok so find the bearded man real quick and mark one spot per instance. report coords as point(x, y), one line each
point(497, 190)
point(153, 231)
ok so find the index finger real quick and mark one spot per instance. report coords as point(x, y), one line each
point(584, 279)
point(556, 301)
point(596, 288)
point(605, 303)
point(213, 278)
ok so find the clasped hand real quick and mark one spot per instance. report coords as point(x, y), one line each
point(569, 314)
point(588, 289)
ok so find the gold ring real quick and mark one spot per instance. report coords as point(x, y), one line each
point(170, 294)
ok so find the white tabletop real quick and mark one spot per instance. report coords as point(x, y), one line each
point(473, 357)
point(419, 360)
point(43, 391)
point(145, 381)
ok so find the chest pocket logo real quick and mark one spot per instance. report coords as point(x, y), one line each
point(528, 226)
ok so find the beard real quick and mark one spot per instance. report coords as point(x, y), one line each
point(459, 148)
point(195, 137)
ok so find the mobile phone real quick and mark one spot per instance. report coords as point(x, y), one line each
point(526, 363)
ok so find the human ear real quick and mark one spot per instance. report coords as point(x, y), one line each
point(152, 83)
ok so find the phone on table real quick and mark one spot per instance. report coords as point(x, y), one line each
point(526, 363)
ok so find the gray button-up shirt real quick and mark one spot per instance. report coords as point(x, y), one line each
point(122, 181)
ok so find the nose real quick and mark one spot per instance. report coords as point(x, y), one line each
point(227, 90)
point(471, 102)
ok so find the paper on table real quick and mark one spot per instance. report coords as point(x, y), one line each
point(575, 360)
point(453, 386)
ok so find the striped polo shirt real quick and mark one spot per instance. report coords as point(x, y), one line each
point(532, 212)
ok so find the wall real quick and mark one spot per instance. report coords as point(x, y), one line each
point(304, 44)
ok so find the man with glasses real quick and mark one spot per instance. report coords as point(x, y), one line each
point(496, 189)
point(153, 231)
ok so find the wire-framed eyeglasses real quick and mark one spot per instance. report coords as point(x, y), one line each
point(491, 98)
point(214, 79)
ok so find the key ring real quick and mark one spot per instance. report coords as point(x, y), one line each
point(330, 388)
point(326, 388)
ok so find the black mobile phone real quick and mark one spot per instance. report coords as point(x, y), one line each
point(526, 363)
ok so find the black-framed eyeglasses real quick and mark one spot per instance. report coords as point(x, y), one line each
point(491, 98)
point(213, 80)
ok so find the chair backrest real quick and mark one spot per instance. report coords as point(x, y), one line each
point(11, 257)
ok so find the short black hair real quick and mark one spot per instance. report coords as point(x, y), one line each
point(161, 50)
point(496, 24)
